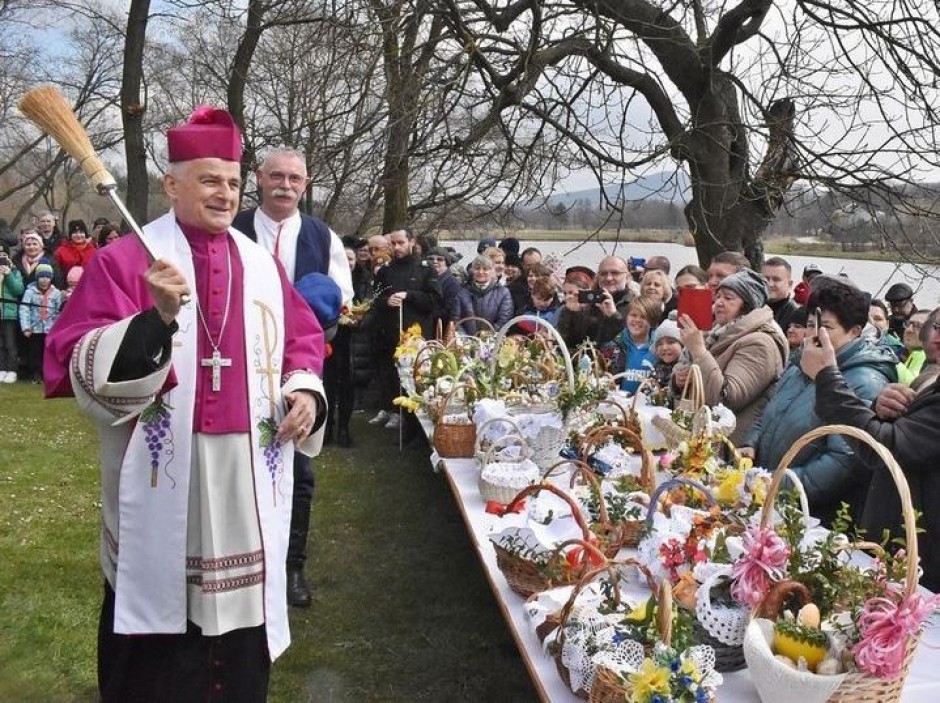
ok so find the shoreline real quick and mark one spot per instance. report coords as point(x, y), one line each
point(775, 246)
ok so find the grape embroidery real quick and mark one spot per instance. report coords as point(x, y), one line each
point(155, 420)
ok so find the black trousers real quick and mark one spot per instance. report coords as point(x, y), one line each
point(185, 668)
point(337, 381)
point(304, 485)
point(35, 350)
point(387, 375)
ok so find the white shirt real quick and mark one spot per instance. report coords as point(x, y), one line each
point(284, 235)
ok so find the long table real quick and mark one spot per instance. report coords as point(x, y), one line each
point(923, 683)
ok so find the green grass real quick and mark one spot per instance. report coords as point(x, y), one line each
point(401, 610)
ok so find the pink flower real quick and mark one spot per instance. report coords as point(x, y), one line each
point(765, 557)
point(885, 627)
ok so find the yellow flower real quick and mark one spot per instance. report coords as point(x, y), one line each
point(408, 403)
point(728, 492)
point(638, 614)
point(759, 490)
point(691, 670)
point(649, 681)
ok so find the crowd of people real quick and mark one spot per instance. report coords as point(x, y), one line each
point(39, 270)
point(752, 353)
point(204, 495)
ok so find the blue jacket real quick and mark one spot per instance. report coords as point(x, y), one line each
point(493, 304)
point(31, 310)
point(625, 355)
point(827, 467)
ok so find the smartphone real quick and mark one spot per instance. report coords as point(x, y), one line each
point(697, 304)
point(817, 314)
point(590, 297)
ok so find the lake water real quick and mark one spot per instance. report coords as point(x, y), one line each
point(873, 276)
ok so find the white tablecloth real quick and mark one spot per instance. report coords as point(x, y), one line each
point(923, 684)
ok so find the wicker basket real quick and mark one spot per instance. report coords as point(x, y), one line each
point(452, 440)
point(557, 621)
point(479, 450)
point(598, 436)
point(525, 576)
point(422, 378)
point(776, 682)
point(504, 331)
point(491, 491)
point(478, 322)
point(691, 401)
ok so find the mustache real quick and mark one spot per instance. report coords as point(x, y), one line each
point(282, 192)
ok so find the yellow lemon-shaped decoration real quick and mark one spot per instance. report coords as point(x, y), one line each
point(639, 613)
point(795, 641)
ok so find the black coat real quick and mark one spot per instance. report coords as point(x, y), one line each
point(423, 303)
point(914, 440)
point(784, 310)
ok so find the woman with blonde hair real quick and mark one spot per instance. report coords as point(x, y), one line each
point(655, 286)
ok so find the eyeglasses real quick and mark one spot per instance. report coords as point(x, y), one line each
point(611, 273)
point(293, 178)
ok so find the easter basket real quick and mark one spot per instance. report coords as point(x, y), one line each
point(530, 568)
point(777, 682)
point(501, 478)
point(689, 403)
point(454, 436)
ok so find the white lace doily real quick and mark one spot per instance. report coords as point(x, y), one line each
point(509, 474)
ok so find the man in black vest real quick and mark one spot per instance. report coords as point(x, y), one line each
point(304, 245)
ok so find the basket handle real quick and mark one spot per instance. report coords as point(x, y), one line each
point(502, 443)
point(504, 331)
point(907, 507)
point(673, 483)
point(584, 471)
point(606, 402)
point(664, 613)
point(610, 567)
point(646, 383)
point(575, 510)
point(475, 318)
point(445, 401)
point(647, 465)
point(478, 444)
point(694, 390)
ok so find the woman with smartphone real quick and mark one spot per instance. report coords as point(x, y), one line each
point(742, 354)
point(826, 467)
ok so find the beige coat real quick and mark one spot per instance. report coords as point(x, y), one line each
point(740, 366)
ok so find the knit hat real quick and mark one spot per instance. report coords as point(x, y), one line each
point(323, 296)
point(748, 285)
point(510, 245)
point(32, 235)
point(208, 133)
point(485, 244)
point(74, 275)
point(668, 329)
point(443, 253)
point(44, 271)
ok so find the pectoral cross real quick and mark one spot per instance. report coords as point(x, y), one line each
point(216, 362)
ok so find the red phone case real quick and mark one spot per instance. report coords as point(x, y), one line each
point(697, 304)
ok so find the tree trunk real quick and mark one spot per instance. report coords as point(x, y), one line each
point(239, 77)
point(132, 110)
point(395, 170)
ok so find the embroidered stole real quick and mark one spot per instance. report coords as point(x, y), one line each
point(150, 586)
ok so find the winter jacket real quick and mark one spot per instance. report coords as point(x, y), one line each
point(493, 304)
point(550, 315)
point(361, 341)
point(911, 367)
point(29, 276)
point(67, 256)
point(11, 290)
point(35, 303)
point(784, 310)
point(740, 365)
point(915, 443)
point(456, 304)
point(521, 296)
point(422, 304)
point(827, 466)
point(636, 361)
point(591, 323)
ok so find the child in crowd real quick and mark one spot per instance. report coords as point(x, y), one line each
point(667, 346)
point(545, 303)
point(72, 279)
point(11, 290)
point(630, 354)
point(796, 332)
point(39, 310)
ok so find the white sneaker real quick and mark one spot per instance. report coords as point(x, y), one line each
point(10, 377)
point(380, 419)
point(393, 422)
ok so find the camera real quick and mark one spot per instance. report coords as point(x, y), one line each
point(590, 297)
point(5, 260)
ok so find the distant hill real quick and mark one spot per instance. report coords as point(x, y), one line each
point(669, 186)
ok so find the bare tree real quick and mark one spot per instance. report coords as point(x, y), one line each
point(749, 98)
